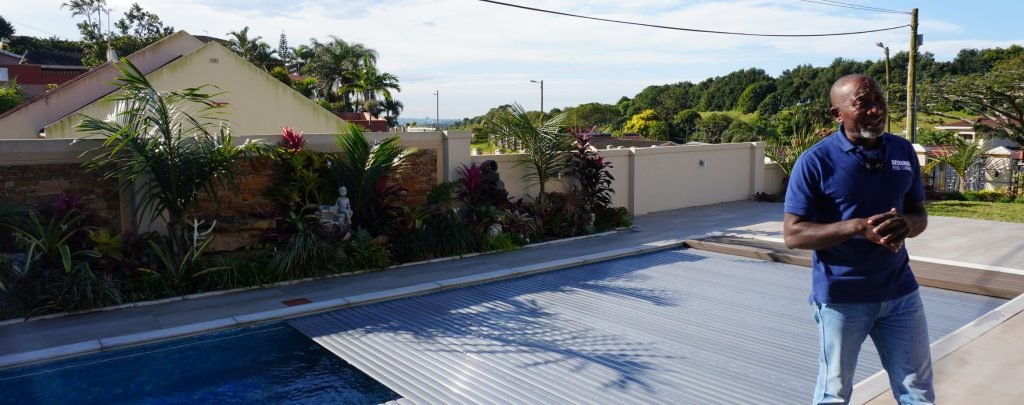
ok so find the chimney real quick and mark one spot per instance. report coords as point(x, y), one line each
point(111, 55)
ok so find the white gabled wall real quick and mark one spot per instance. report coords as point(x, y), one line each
point(255, 102)
point(27, 121)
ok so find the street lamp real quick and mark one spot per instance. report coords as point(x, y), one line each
point(541, 95)
point(886, 50)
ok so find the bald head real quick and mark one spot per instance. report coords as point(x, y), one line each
point(858, 103)
point(847, 86)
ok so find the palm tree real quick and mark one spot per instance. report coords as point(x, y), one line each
point(263, 55)
point(544, 146)
point(85, 8)
point(369, 83)
point(965, 156)
point(300, 56)
point(331, 61)
point(155, 143)
point(392, 109)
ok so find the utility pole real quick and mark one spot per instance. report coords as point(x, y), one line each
point(888, 122)
point(437, 104)
point(912, 81)
point(541, 96)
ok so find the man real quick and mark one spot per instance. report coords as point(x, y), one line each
point(854, 198)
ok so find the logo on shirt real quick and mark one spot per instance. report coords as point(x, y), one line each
point(901, 165)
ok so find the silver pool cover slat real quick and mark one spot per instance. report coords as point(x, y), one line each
point(677, 326)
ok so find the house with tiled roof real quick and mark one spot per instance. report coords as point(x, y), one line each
point(257, 103)
point(36, 70)
point(982, 129)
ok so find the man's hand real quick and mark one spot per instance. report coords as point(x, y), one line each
point(891, 229)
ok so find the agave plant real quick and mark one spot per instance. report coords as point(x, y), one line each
point(167, 152)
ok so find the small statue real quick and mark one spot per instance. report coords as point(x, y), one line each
point(343, 207)
point(588, 223)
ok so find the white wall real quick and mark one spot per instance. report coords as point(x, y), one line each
point(658, 179)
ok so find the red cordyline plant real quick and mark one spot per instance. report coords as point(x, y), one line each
point(291, 141)
point(591, 172)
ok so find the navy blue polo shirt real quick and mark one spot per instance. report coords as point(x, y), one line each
point(831, 183)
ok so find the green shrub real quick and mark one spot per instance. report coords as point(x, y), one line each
point(10, 96)
point(612, 218)
point(365, 252)
point(501, 242)
point(988, 196)
point(246, 269)
point(440, 236)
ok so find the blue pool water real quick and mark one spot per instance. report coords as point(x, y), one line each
point(263, 364)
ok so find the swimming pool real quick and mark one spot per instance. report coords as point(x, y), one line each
point(271, 363)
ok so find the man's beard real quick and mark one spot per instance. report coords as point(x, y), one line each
point(868, 133)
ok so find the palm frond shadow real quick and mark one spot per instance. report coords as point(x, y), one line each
point(551, 319)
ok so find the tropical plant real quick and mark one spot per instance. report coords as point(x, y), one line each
point(307, 252)
point(367, 83)
point(252, 49)
point(364, 170)
point(169, 154)
point(179, 274)
point(543, 143)
point(56, 273)
point(366, 252)
point(330, 63)
point(291, 142)
point(784, 151)
point(50, 240)
point(590, 172)
point(478, 185)
point(392, 109)
point(965, 156)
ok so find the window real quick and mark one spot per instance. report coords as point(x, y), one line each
point(968, 136)
point(3, 74)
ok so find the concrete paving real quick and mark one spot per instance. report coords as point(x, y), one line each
point(971, 241)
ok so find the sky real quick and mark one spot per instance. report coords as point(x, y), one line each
point(479, 55)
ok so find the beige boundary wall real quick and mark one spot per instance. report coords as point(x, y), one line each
point(658, 179)
point(36, 171)
point(646, 180)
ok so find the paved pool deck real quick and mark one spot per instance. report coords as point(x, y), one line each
point(958, 240)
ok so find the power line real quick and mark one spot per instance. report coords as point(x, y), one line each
point(34, 28)
point(862, 7)
point(854, 6)
point(748, 34)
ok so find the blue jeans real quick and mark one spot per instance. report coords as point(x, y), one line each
point(900, 332)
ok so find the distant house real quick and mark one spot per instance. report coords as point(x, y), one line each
point(989, 139)
point(36, 70)
point(257, 104)
point(365, 120)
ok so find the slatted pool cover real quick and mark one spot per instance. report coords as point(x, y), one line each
point(679, 326)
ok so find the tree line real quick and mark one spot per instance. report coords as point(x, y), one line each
point(749, 104)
